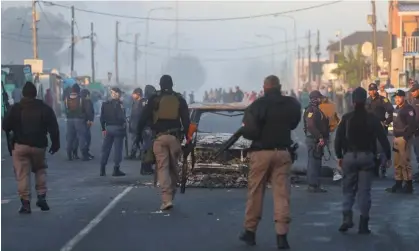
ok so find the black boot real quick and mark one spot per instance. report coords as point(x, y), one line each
point(70, 156)
point(103, 170)
point(42, 202)
point(90, 155)
point(248, 237)
point(347, 222)
point(25, 208)
point(363, 225)
point(117, 172)
point(131, 156)
point(408, 187)
point(396, 188)
point(282, 242)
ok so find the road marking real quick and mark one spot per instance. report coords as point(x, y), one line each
point(93, 223)
point(5, 201)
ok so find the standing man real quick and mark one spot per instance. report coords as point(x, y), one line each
point(404, 128)
point(30, 120)
point(270, 158)
point(355, 146)
point(169, 114)
point(137, 106)
point(90, 116)
point(380, 106)
point(78, 113)
point(113, 123)
point(415, 103)
point(316, 128)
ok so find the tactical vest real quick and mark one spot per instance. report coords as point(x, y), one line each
point(324, 122)
point(399, 126)
point(166, 107)
point(73, 107)
point(377, 109)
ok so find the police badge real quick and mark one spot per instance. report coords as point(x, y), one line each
point(411, 113)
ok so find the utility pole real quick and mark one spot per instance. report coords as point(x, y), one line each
point(92, 44)
point(136, 59)
point(309, 57)
point(298, 66)
point(72, 39)
point(318, 47)
point(390, 35)
point(374, 39)
point(177, 25)
point(34, 31)
point(302, 64)
point(116, 53)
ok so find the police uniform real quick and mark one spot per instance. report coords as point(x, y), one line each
point(355, 146)
point(90, 116)
point(113, 122)
point(380, 106)
point(77, 113)
point(316, 128)
point(168, 114)
point(404, 128)
point(137, 106)
point(270, 158)
point(415, 104)
point(31, 120)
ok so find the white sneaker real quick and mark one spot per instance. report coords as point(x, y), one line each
point(337, 176)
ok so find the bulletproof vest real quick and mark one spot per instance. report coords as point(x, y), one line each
point(166, 107)
point(398, 124)
point(73, 106)
point(324, 124)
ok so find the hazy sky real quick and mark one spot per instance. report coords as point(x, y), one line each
point(201, 37)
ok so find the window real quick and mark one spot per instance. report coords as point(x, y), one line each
point(220, 121)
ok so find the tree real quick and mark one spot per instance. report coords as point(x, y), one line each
point(187, 72)
point(352, 66)
point(16, 34)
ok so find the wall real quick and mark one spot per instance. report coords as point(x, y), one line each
point(410, 22)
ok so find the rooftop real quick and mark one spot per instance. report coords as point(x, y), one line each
point(360, 37)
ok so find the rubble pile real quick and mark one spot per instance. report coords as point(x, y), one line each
point(216, 180)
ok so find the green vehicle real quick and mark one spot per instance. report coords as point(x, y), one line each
point(14, 76)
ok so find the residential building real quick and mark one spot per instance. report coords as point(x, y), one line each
point(403, 25)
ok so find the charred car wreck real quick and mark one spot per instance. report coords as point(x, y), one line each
point(215, 124)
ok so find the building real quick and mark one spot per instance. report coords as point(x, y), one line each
point(403, 27)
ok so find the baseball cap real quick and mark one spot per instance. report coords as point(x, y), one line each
point(414, 87)
point(372, 87)
point(315, 94)
point(399, 93)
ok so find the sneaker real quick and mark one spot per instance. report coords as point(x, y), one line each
point(337, 176)
point(166, 206)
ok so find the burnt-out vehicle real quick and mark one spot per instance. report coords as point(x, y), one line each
point(215, 124)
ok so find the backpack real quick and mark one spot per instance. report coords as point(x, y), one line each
point(73, 104)
point(166, 106)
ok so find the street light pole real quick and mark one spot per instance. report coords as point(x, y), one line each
point(146, 41)
point(286, 45)
point(295, 33)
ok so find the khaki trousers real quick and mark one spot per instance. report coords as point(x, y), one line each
point(167, 150)
point(25, 160)
point(273, 166)
point(402, 167)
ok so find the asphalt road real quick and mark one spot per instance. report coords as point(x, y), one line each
point(89, 212)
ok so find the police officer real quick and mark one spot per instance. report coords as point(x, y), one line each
point(30, 120)
point(78, 114)
point(113, 122)
point(270, 159)
point(415, 103)
point(169, 115)
point(316, 128)
point(380, 106)
point(404, 128)
point(85, 95)
point(137, 106)
point(355, 147)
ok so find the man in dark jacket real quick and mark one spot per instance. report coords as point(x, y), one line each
point(30, 120)
point(137, 106)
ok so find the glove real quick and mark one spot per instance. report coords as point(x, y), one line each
point(53, 149)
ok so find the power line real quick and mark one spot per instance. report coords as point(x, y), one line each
point(198, 20)
point(222, 49)
point(27, 36)
point(6, 37)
